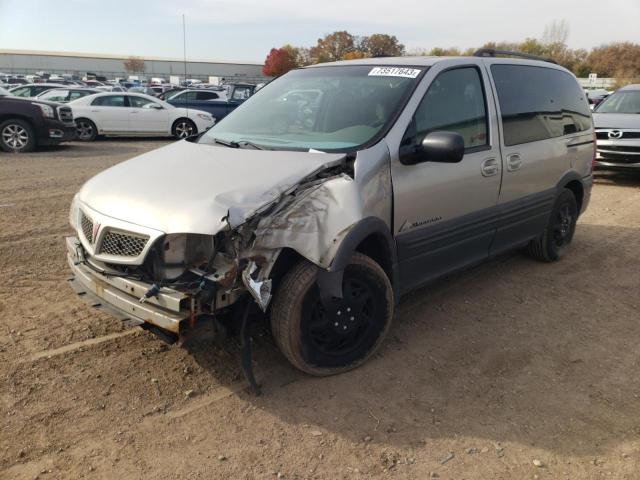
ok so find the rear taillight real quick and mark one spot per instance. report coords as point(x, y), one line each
point(595, 150)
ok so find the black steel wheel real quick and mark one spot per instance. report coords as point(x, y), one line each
point(558, 234)
point(325, 337)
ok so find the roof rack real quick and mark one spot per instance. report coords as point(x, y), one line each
point(492, 52)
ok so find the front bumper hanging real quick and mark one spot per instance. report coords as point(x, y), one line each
point(121, 296)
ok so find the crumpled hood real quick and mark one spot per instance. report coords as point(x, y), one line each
point(189, 188)
point(616, 120)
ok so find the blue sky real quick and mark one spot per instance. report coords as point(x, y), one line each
point(245, 30)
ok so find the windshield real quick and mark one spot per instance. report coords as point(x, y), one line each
point(171, 95)
point(324, 108)
point(21, 91)
point(621, 102)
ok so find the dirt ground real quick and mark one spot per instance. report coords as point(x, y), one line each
point(484, 375)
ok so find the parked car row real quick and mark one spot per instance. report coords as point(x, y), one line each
point(219, 102)
point(45, 120)
point(25, 123)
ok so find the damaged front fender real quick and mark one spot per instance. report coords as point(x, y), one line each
point(314, 221)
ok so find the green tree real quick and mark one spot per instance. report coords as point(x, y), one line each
point(533, 47)
point(444, 52)
point(381, 45)
point(332, 47)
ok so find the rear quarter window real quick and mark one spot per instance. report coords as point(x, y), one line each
point(539, 103)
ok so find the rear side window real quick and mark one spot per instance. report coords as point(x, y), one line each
point(454, 102)
point(110, 101)
point(207, 95)
point(188, 97)
point(75, 94)
point(37, 90)
point(139, 102)
point(55, 95)
point(538, 103)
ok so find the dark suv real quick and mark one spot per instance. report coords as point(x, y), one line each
point(25, 123)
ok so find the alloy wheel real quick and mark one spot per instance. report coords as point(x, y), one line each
point(15, 136)
point(84, 130)
point(184, 129)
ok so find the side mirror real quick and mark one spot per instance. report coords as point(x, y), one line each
point(438, 146)
point(156, 106)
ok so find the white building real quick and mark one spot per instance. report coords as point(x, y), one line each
point(31, 61)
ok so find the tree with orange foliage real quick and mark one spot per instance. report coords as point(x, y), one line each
point(279, 61)
point(354, 55)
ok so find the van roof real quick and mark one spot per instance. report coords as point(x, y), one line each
point(428, 61)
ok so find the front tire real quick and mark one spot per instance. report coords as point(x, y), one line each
point(558, 234)
point(183, 128)
point(326, 338)
point(86, 130)
point(17, 136)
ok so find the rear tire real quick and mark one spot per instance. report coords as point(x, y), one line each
point(183, 128)
point(86, 130)
point(558, 234)
point(17, 136)
point(338, 335)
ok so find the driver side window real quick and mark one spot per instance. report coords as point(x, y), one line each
point(454, 102)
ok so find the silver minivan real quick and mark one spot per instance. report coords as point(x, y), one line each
point(322, 211)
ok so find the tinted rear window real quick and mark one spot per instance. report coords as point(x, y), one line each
point(109, 101)
point(538, 103)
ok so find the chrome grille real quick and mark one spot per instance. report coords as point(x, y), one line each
point(623, 149)
point(123, 244)
point(604, 135)
point(87, 227)
point(65, 114)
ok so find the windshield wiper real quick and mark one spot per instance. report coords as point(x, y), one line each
point(249, 144)
point(240, 144)
point(226, 143)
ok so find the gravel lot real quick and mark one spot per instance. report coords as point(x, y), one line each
point(512, 370)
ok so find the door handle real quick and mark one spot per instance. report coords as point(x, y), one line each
point(133, 111)
point(514, 162)
point(489, 167)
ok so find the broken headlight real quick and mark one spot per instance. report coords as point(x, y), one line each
point(182, 251)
